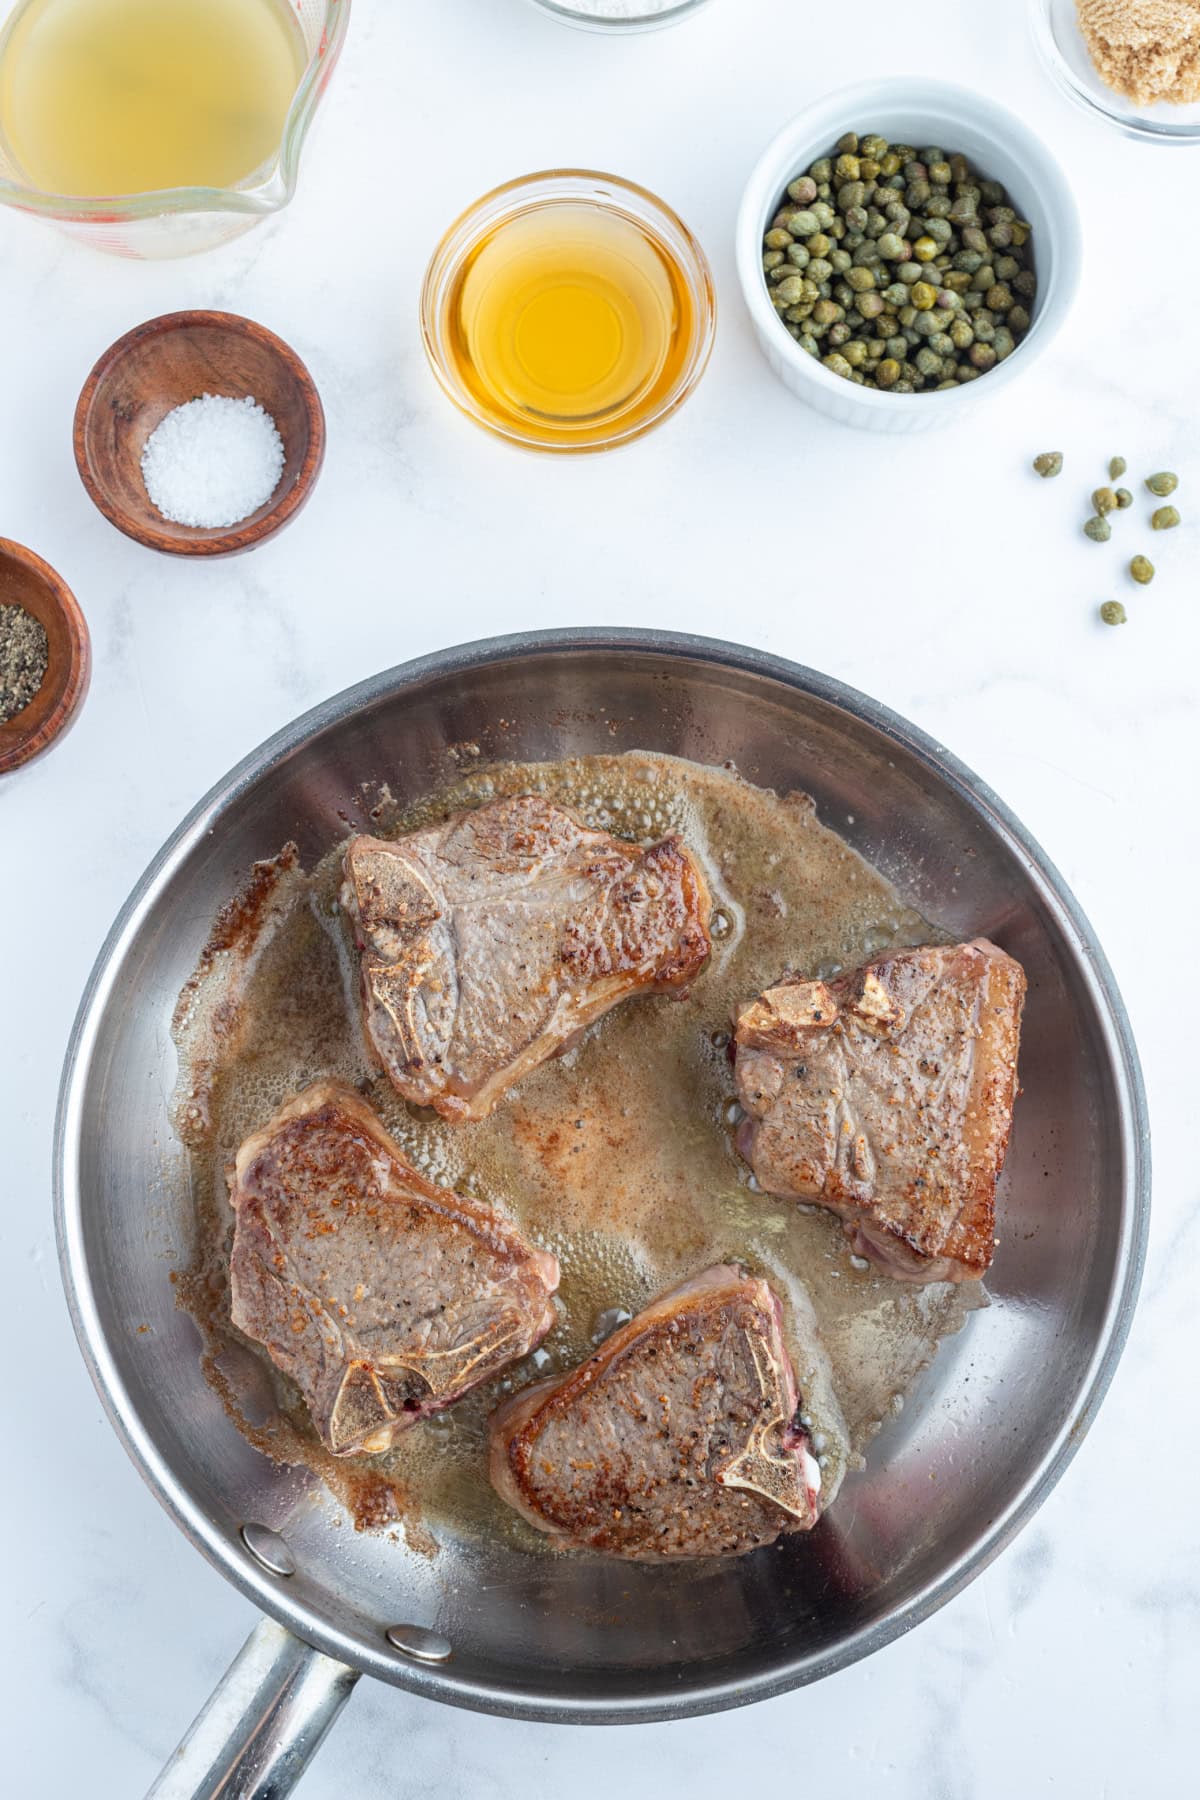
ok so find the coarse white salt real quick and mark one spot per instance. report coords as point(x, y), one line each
point(213, 462)
point(620, 9)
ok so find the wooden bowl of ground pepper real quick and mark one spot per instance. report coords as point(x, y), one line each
point(45, 656)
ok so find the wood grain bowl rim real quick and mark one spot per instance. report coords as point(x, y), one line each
point(239, 537)
point(21, 743)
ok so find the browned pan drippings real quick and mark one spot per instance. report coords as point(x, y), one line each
point(619, 1156)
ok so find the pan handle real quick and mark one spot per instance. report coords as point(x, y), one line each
point(263, 1725)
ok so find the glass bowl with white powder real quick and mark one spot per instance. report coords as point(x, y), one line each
point(620, 15)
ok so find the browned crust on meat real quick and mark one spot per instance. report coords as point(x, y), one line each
point(917, 1190)
point(325, 1165)
point(702, 1499)
point(639, 925)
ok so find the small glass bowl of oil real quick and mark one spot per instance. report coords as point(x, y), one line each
point(568, 311)
point(154, 129)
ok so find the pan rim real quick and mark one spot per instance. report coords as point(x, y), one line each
point(445, 1683)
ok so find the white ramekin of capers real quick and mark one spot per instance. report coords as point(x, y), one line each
point(916, 167)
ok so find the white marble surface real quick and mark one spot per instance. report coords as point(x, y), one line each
point(1071, 1667)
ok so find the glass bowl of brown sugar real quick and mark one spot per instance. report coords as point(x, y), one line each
point(1133, 63)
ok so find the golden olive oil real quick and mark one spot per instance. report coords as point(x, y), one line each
point(569, 321)
point(114, 97)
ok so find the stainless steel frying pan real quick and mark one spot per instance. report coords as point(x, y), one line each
point(575, 1638)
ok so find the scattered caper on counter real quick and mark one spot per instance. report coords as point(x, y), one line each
point(1165, 519)
point(1124, 497)
point(1104, 501)
point(1113, 613)
point(1098, 529)
point(1163, 484)
point(1117, 468)
point(1048, 464)
point(1142, 570)
point(900, 268)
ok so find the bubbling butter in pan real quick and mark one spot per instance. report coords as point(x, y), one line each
point(618, 1156)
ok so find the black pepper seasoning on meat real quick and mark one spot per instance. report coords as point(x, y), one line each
point(24, 660)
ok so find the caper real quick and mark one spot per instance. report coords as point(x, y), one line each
point(1049, 463)
point(1163, 484)
point(1142, 570)
point(1098, 529)
point(1117, 468)
point(1124, 497)
point(916, 272)
point(1113, 613)
point(1165, 519)
point(1104, 500)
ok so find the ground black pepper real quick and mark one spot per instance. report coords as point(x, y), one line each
point(24, 659)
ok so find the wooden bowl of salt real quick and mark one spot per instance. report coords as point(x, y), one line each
point(199, 434)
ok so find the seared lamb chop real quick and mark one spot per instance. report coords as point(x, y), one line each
point(383, 1297)
point(490, 942)
point(887, 1095)
point(678, 1438)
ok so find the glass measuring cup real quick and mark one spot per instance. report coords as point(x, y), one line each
point(181, 221)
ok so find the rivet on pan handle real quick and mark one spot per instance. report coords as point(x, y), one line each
point(268, 1549)
point(424, 1646)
